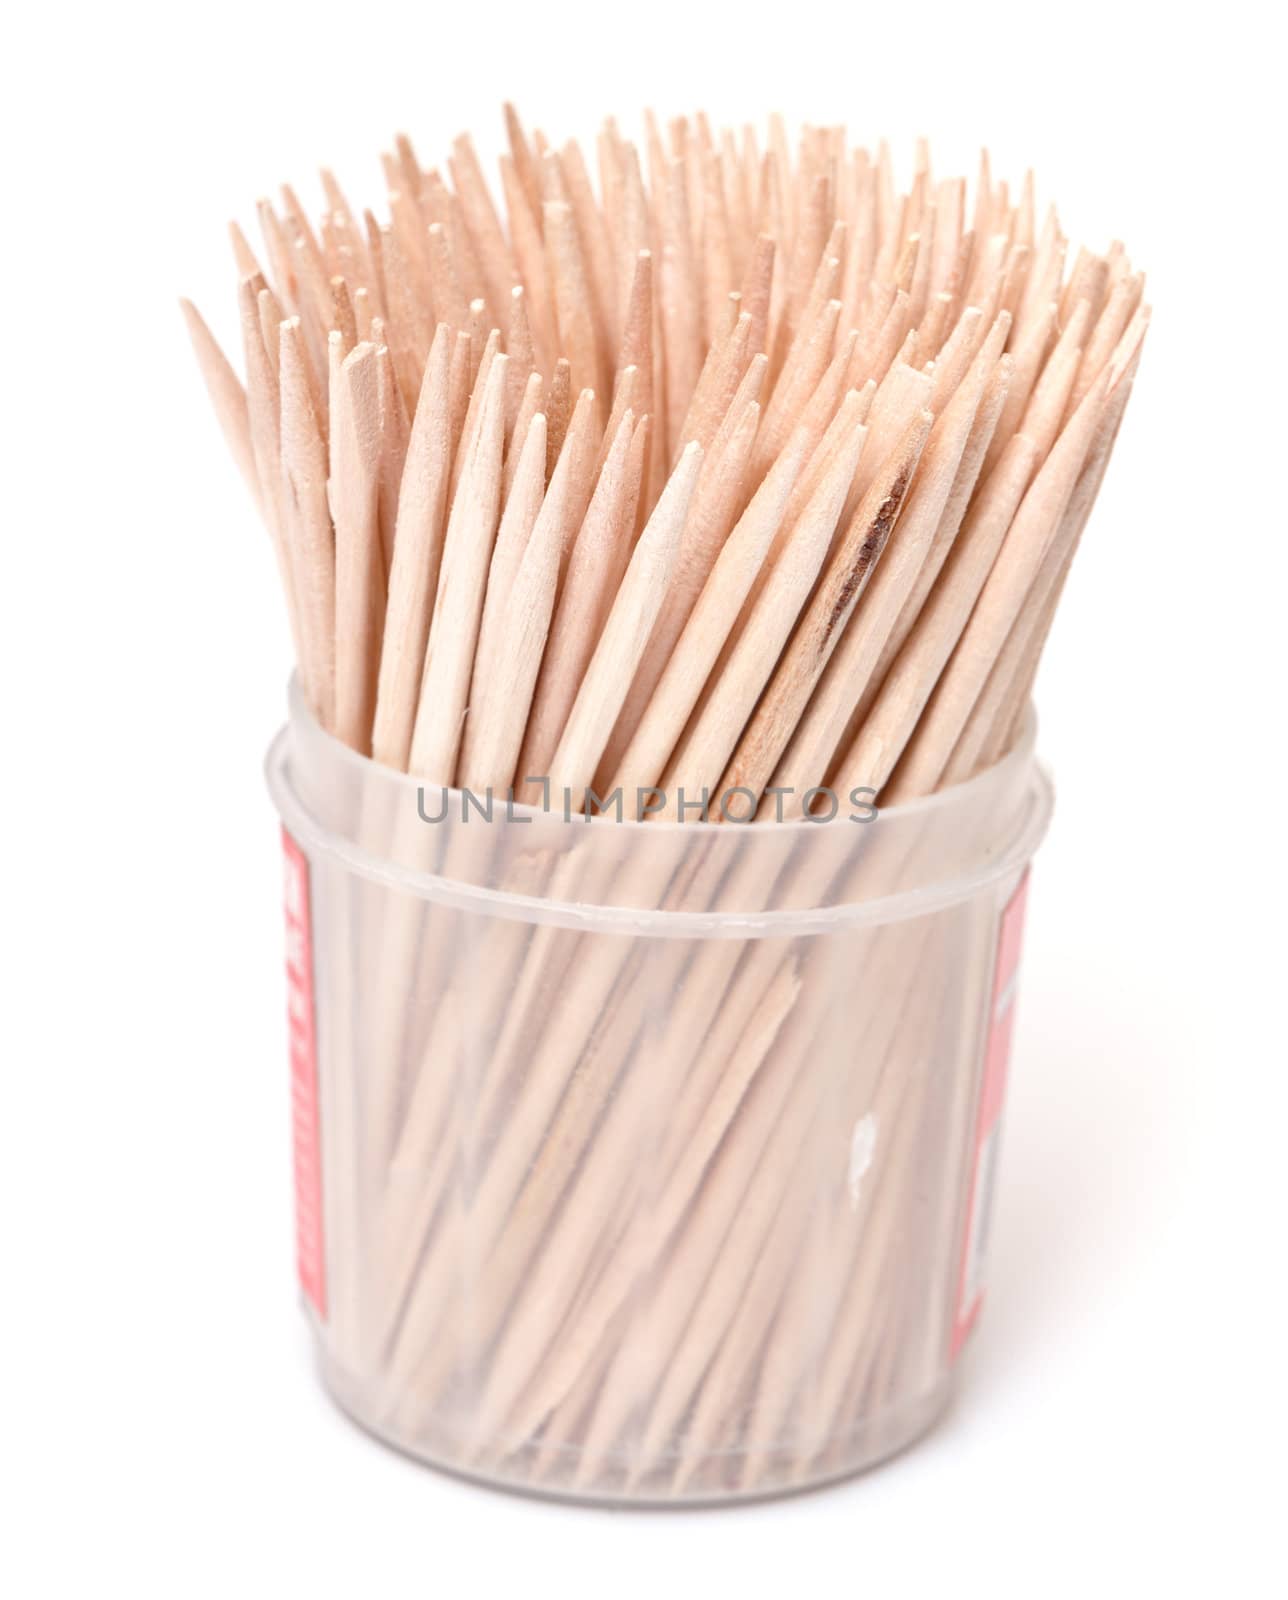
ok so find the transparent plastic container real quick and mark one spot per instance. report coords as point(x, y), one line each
point(644, 1162)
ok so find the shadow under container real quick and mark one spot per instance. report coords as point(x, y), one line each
point(644, 1162)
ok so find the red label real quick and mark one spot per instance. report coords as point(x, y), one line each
point(988, 1121)
point(310, 1256)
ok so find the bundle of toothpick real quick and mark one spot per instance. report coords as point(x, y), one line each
point(731, 469)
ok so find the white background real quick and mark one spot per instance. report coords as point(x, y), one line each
point(1120, 1424)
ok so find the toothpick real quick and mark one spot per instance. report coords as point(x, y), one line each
point(308, 519)
point(499, 271)
point(625, 634)
point(227, 396)
point(417, 552)
point(1000, 600)
point(504, 680)
point(595, 569)
point(574, 312)
point(353, 491)
point(467, 551)
point(522, 505)
point(819, 727)
point(716, 503)
point(709, 624)
point(848, 572)
point(703, 753)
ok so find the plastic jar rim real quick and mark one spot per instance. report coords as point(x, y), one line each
point(1033, 817)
